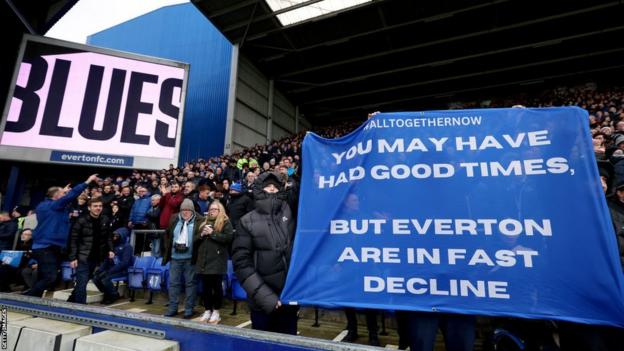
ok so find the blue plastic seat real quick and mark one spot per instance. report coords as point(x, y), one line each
point(124, 279)
point(67, 272)
point(157, 277)
point(238, 293)
point(137, 274)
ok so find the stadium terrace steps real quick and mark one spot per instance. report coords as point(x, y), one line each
point(14, 329)
point(45, 334)
point(115, 341)
point(93, 294)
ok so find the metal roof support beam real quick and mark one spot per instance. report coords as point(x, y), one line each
point(297, 119)
point(385, 28)
point(451, 39)
point(272, 14)
point(17, 12)
point(253, 13)
point(229, 9)
point(538, 44)
point(468, 75)
point(269, 125)
point(313, 19)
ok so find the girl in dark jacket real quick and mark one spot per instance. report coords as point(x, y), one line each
point(212, 254)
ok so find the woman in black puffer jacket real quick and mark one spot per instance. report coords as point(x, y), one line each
point(261, 256)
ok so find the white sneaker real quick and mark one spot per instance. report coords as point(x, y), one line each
point(206, 316)
point(215, 317)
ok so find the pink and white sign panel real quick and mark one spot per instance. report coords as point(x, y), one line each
point(93, 102)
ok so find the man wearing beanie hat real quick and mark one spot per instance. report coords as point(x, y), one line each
point(236, 187)
point(178, 240)
point(261, 256)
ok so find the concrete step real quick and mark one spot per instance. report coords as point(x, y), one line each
point(92, 296)
point(47, 334)
point(14, 329)
point(14, 316)
point(116, 341)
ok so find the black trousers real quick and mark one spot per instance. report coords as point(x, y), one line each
point(421, 328)
point(371, 321)
point(48, 261)
point(212, 291)
point(283, 320)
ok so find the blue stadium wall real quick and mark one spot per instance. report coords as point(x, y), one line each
point(182, 33)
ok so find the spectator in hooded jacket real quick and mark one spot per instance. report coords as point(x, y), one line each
point(116, 267)
point(261, 255)
point(51, 234)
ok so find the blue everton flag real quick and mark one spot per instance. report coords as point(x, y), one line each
point(490, 212)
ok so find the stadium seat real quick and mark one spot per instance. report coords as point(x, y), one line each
point(137, 274)
point(67, 273)
point(156, 278)
point(124, 279)
point(237, 293)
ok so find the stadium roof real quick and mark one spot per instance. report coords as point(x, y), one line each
point(19, 17)
point(393, 55)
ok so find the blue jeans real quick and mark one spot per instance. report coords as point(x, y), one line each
point(178, 270)
point(48, 260)
point(421, 328)
point(84, 272)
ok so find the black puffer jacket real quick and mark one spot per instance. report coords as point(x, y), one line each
point(82, 239)
point(262, 248)
point(238, 206)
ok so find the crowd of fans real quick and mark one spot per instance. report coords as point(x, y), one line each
point(201, 205)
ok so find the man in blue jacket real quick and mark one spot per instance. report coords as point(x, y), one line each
point(114, 268)
point(138, 217)
point(52, 231)
point(138, 212)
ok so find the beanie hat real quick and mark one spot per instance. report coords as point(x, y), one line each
point(236, 187)
point(187, 204)
point(271, 179)
point(619, 139)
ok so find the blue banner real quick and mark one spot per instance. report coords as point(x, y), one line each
point(94, 159)
point(494, 212)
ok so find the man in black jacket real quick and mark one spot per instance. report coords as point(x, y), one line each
point(262, 248)
point(89, 245)
point(239, 204)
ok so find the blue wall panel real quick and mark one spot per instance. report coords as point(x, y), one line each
point(182, 33)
